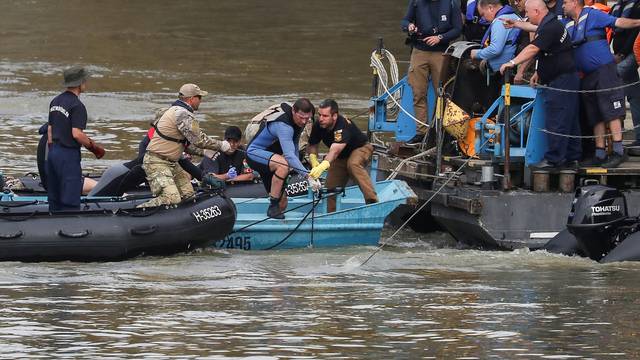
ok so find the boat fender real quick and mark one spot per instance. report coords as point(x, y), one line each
point(146, 230)
point(74, 235)
point(11, 236)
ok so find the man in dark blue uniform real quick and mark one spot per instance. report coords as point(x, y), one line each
point(555, 8)
point(67, 120)
point(556, 69)
point(587, 27)
point(431, 25)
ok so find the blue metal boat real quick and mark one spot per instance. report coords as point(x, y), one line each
point(307, 224)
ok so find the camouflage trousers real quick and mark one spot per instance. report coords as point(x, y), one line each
point(168, 181)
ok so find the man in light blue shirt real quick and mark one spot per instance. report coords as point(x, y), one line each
point(498, 44)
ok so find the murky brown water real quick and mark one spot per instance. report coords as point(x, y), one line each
point(419, 299)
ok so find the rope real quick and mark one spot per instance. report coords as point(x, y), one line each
point(386, 90)
point(315, 203)
point(395, 171)
point(374, 59)
point(284, 212)
point(381, 71)
point(586, 136)
point(453, 175)
point(586, 91)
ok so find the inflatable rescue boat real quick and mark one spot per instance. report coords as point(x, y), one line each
point(107, 229)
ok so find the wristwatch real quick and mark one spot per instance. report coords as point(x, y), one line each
point(513, 62)
point(440, 37)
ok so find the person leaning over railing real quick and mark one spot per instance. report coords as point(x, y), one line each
point(498, 43)
point(587, 27)
point(557, 69)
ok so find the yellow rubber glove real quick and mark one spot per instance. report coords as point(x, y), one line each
point(313, 159)
point(318, 170)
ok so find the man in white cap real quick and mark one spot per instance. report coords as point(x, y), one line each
point(176, 130)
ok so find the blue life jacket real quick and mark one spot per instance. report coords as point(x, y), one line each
point(512, 38)
point(579, 32)
point(472, 14)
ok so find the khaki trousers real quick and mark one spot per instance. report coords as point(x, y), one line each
point(169, 183)
point(352, 167)
point(423, 64)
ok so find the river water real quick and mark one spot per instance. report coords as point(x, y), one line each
point(419, 298)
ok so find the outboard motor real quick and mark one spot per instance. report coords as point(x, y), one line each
point(596, 218)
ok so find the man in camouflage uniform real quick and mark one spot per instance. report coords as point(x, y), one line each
point(175, 131)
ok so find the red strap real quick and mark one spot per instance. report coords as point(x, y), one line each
point(150, 133)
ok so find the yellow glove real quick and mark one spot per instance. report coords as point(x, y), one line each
point(313, 159)
point(318, 170)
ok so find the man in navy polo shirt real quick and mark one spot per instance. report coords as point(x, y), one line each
point(431, 25)
point(67, 120)
point(556, 68)
point(587, 27)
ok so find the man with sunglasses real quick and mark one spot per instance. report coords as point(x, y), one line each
point(175, 130)
point(273, 152)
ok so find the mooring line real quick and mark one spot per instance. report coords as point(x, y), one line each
point(385, 243)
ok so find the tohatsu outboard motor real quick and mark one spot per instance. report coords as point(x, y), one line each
point(598, 220)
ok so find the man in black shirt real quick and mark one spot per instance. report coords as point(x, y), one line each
point(229, 166)
point(556, 69)
point(349, 152)
point(431, 26)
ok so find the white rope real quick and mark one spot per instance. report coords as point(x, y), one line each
point(381, 71)
point(395, 171)
point(386, 90)
point(388, 240)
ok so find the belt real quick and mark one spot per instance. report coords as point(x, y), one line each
point(161, 157)
point(58, 142)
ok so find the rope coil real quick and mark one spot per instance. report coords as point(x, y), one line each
point(381, 72)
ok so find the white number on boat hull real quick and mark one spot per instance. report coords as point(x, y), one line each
point(207, 213)
point(297, 188)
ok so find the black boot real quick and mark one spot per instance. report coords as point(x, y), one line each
point(274, 209)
